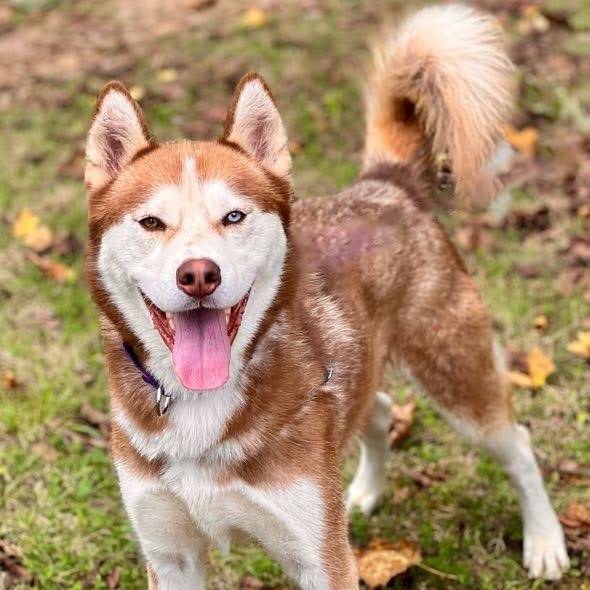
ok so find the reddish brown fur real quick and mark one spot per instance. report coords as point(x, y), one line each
point(401, 290)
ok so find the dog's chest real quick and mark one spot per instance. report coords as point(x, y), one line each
point(277, 515)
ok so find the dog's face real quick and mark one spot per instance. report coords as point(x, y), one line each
point(189, 238)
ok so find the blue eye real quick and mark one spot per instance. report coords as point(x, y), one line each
point(233, 217)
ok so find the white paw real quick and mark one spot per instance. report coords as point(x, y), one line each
point(365, 498)
point(545, 555)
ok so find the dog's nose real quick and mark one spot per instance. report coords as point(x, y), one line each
point(198, 277)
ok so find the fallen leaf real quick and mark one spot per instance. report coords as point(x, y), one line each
point(402, 418)
point(137, 91)
point(200, 4)
point(251, 583)
point(254, 18)
point(519, 379)
point(9, 380)
point(581, 346)
point(540, 322)
point(427, 477)
point(401, 495)
point(527, 271)
point(28, 228)
point(382, 561)
point(167, 75)
point(45, 451)
point(95, 418)
point(540, 367)
point(11, 563)
point(532, 21)
point(524, 140)
point(54, 270)
point(114, 578)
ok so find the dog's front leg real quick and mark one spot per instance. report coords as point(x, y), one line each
point(305, 529)
point(168, 537)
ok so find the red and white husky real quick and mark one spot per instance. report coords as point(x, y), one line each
point(246, 335)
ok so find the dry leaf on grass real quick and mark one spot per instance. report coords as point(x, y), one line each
point(524, 140)
point(576, 525)
point(45, 451)
point(114, 578)
point(581, 345)
point(52, 269)
point(28, 228)
point(382, 561)
point(428, 476)
point(11, 563)
point(538, 368)
point(95, 418)
point(540, 322)
point(254, 18)
point(402, 418)
point(9, 380)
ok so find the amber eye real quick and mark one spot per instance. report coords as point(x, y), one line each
point(152, 223)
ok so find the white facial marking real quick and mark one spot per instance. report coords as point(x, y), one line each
point(250, 255)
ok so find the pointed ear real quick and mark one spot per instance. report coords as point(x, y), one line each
point(254, 124)
point(117, 133)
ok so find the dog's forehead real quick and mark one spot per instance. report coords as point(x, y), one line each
point(183, 169)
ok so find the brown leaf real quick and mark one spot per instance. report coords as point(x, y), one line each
point(251, 583)
point(11, 563)
point(114, 578)
point(67, 244)
point(424, 478)
point(9, 380)
point(576, 525)
point(540, 322)
point(95, 418)
point(382, 561)
point(402, 418)
point(45, 451)
point(54, 270)
point(527, 271)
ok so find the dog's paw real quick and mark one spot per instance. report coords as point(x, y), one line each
point(545, 554)
point(365, 498)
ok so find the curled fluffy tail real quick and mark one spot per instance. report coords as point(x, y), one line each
point(440, 84)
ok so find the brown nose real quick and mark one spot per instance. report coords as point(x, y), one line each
point(198, 277)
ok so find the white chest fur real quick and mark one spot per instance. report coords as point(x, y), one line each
point(187, 508)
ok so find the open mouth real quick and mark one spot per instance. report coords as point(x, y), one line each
point(200, 341)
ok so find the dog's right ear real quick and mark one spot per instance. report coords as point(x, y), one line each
point(117, 133)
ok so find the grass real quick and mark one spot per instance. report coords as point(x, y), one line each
point(60, 501)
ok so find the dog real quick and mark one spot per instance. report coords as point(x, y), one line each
point(246, 333)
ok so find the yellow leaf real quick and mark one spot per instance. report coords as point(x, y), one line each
point(382, 561)
point(540, 322)
point(254, 18)
point(540, 367)
point(167, 75)
point(28, 228)
point(524, 140)
point(519, 379)
point(581, 346)
point(137, 92)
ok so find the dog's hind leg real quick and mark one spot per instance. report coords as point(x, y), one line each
point(455, 361)
point(367, 487)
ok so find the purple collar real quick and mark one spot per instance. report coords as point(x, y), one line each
point(163, 399)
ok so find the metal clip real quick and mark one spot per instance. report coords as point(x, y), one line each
point(162, 401)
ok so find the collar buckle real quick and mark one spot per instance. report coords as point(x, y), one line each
point(162, 401)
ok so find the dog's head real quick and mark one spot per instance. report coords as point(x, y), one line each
point(188, 239)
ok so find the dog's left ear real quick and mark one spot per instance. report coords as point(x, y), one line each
point(254, 124)
point(117, 133)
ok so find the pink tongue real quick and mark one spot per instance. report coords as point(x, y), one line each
point(201, 350)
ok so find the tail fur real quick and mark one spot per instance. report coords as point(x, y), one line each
point(440, 84)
